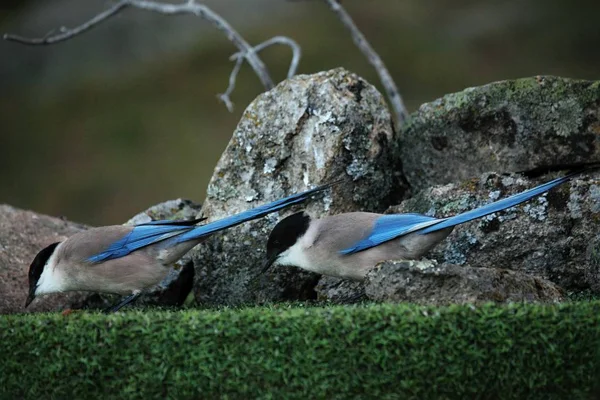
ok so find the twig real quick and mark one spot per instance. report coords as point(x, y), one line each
point(66, 34)
point(296, 51)
point(224, 97)
point(239, 57)
point(189, 7)
point(364, 46)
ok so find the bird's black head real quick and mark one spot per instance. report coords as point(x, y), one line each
point(284, 235)
point(36, 268)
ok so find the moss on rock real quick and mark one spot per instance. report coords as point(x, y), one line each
point(504, 126)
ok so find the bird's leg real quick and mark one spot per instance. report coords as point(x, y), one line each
point(129, 299)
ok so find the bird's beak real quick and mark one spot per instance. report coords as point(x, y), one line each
point(267, 264)
point(29, 299)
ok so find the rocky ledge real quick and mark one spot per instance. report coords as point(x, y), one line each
point(454, 154)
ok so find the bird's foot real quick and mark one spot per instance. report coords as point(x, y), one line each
point(127, 300)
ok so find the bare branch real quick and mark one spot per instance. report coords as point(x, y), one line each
point(239, 57)
point(364, 46)
point(296, 51)
point(189, 7)
point(224, 97)
point(66, 34)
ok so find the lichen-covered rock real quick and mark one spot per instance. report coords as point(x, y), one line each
point(308, 130)
point(170, 209)
point(22, 235)
point(340, 291)
point(555, 236)
point(507, 126)
point(426, 282)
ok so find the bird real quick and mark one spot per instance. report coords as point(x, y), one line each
point(126, 260)
point(348, 245)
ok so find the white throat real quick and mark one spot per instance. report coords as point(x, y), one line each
point(298, 254)
point(51, 280)
point(294, 256)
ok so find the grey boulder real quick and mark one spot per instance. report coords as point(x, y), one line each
point(426, 282)
point(508, 126)
point(308, 130)
point(340, 291)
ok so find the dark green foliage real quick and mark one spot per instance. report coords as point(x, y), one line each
point(367, 351)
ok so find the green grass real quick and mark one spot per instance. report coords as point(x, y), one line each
point(366, 351)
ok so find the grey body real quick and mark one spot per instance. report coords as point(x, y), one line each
point(349, 245)
point(318, 250)
point(69, 270)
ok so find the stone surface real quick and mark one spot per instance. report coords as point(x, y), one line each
point(317, 128)
point(340, 291)
point(170, 209)
point(22, 234)
point(507, 126)
point(426, 282)
point(555, 236)
point(309, 130)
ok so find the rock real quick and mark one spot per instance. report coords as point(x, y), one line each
point(309, 130)
point(507, 126)
point(425, 282)
point(340, 291)
point(22, 235)
point(555, 236)
point(170, 209)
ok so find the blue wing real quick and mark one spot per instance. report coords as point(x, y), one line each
point(390, 227)
point(255, 213)
point(148, 233)
point(141, 236)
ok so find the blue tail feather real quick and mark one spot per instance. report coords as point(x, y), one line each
point(148, 233)
point(496, 206)
point(245, 216)
point(187, 222)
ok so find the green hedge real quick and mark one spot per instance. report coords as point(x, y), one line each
point(368, 351)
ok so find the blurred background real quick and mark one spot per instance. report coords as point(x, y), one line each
point(125, 116)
